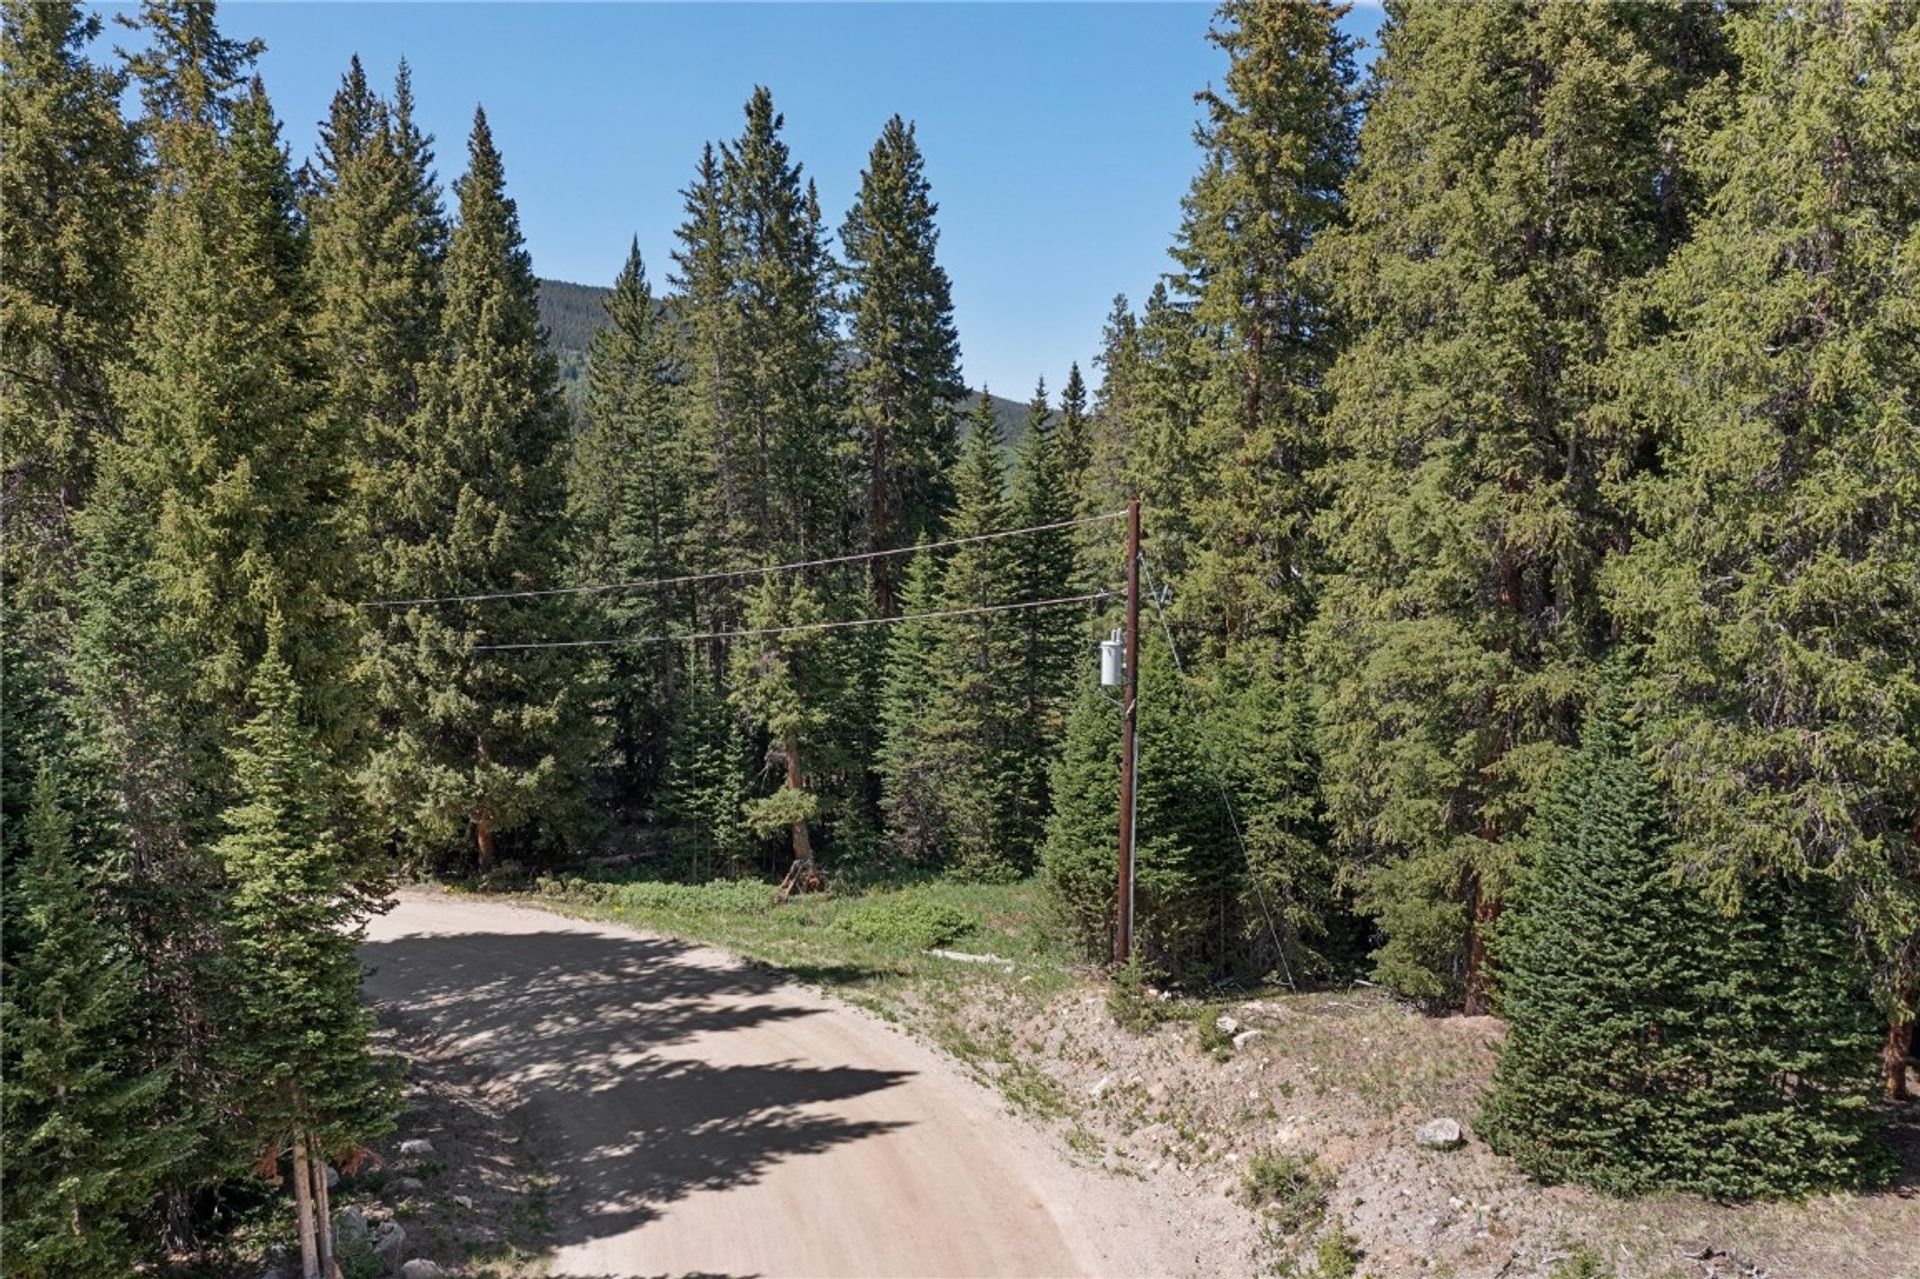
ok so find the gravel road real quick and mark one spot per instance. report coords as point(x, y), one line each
point(708, 1118)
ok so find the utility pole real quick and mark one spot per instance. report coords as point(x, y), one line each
point(1129, 740)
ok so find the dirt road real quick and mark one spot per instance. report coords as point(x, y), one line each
point(708, 1118)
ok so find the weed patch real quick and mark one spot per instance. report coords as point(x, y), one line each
point(1291, 1190)
point(904, 920)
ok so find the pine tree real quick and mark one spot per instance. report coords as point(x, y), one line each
point(1656, 1043)
point(1277, 145)
point(1187, 866)
point(1292, 917)
point(905, 352)
point(970, 704)
point(1105, 482)
point(223, 444)
point(786, 681)
point(719, 436)
point(488, 742)
point(910, 784)
point(1080, 857)
point(295, 1034)
point(628, 491)
point(79, 1117)
point(786, 398)
point(208, 516)
point(377, 234)
point(1513, 172)
point(1776, 373)
point(1042, 566)
point(705, 791)
point(67, 226)
point(1187, 876)
point(1076, 443)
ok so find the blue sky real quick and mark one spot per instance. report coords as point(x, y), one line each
point(1057, 137)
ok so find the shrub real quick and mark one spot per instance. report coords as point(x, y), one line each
point(1132, 1006)
point(904, 921)
point(720, 897)
point(1214, 1041)
point(1290, 1189)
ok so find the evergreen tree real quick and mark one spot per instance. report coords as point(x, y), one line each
point(786, 681)
point(73, 201)
point(208, 516)
point(910, 789)
point(717, 433)
point(1187, 876)
point(1654, 1042)
point(1513, 171)
point(296, 1034)
point(487, 742)
point(970, 703)
point(905, 352)
point(1075, 432)
point(1291, 915)
point(786, 395)
point(628, 491)
point(79, 1117)
point(1777, 582)
point(705, 791)
point(1277, 145)
point(377, 234)
point(1041, 566)
point(223, 446)
point(1080, 857)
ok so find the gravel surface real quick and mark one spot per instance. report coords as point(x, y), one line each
point(703, 1116)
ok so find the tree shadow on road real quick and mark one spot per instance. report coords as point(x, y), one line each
point(575, 1024)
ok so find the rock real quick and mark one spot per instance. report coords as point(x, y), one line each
point(1695, 1249)
point(333, 1176)
point(388, 1243)
point(1100, 1086)
point(404, 1186)
point(1246, 1037)
point(421, 1268)
point(465, 1201)
point(351, 1224)
point(1441, 1134)
point(1227, 1024)
point(416, 1148)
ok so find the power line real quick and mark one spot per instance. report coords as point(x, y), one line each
point(804, 626)
point(727, 574)
point(1226, 799)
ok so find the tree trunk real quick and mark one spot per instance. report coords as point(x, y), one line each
point(803, 876)
point(1899, 1048)
point(303, 1211)
point(1479, 1000)
point(483, 837)
point(323, 1214)
point(802, 842)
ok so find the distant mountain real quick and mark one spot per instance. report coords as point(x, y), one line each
point(573, 313)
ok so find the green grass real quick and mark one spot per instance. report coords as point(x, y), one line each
point(860, 940)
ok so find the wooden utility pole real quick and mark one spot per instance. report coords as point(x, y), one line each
point(1129, 743)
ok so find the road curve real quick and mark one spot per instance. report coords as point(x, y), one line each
point(709, 1118)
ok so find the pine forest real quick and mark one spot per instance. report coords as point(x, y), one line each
point(1525, 432)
